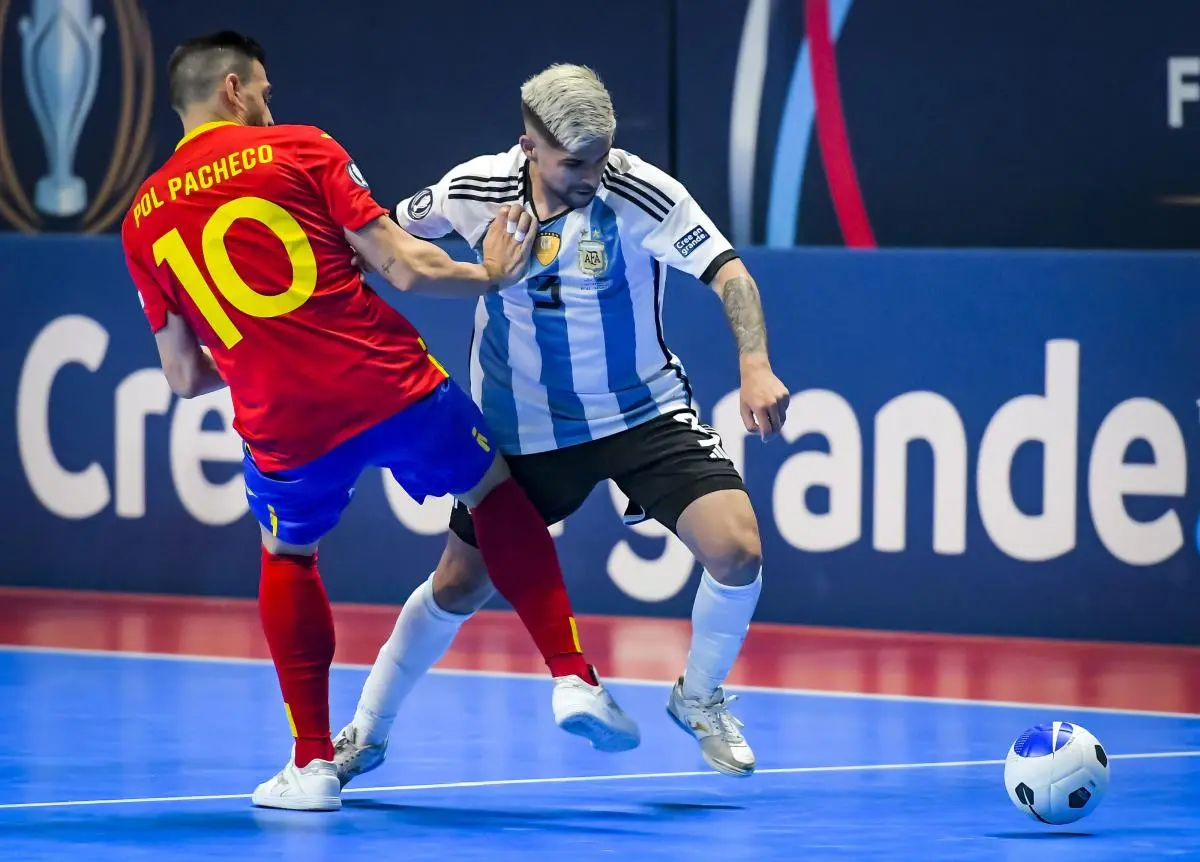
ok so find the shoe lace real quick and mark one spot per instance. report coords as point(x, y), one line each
point(727, 725)
point(349, 747)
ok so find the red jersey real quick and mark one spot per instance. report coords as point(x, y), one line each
point(241, 234)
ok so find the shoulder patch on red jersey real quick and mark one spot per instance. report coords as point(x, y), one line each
point(357, 175)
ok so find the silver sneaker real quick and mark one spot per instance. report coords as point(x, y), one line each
point(718, 732)
point(353, 758)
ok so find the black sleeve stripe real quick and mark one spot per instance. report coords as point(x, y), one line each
point(633, 191)
point(481, 187)
point(639, 204)
point(486, 190)
point(488, 181)
point(624, 181)
point(651, 191)
point(655, 190)
point(710, 271)
point(505, 197)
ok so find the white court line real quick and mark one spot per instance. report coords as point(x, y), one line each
point(577, 779)
point(664, 684)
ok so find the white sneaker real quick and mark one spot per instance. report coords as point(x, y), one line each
point(589, 711)
point(353, 758)
point(313, 788)
point(719, 733)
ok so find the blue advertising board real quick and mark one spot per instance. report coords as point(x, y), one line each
point(994, 442)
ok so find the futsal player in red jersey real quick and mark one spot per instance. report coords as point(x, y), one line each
point(242, 242)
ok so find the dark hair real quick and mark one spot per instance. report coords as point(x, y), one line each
point(198, 65)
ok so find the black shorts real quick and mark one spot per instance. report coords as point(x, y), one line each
point(663, 466)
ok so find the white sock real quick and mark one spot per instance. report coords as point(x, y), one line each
point(720, 619)
point(421, 637)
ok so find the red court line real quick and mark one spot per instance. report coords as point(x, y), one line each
point(1114, 676)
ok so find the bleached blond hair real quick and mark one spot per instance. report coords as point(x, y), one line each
point(571, 104)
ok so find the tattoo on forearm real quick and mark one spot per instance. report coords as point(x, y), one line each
point(744, 309)
point(391, 261)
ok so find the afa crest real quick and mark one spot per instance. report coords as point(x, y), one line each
point(546, 248)
point(593, 259)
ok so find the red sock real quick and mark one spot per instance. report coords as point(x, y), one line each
point(523, 564)
point(298, 623)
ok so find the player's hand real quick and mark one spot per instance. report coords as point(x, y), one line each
point(507, 245)
point(764, 398)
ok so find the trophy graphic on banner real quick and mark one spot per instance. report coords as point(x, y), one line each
point(60, 44)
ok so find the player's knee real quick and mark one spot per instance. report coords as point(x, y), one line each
point(496, 475)
point(278, 547)
point(461, 584)
point(733, 553)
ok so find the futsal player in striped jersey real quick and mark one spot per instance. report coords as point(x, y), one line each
point(572, 371)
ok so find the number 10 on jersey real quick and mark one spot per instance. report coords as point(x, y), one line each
point(170, 248)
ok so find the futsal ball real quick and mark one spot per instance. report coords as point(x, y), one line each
point(1056, 773)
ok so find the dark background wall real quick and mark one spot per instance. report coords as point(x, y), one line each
point(1028, 123)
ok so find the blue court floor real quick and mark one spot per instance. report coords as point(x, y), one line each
point(134, 758)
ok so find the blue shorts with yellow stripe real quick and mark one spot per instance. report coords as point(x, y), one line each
point(437, 446)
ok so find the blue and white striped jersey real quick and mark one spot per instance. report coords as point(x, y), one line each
point(576, 351)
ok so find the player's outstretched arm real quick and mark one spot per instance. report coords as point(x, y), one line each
point(189, 368)
point(764, 397)
point(410, 264)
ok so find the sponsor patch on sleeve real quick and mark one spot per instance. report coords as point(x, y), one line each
point(691, 241)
